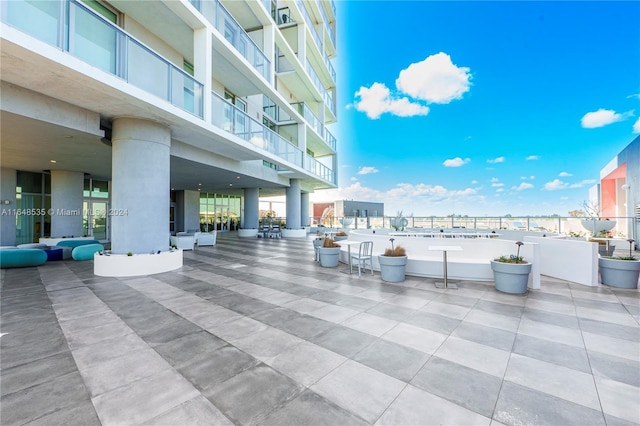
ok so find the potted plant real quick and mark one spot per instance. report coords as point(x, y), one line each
point(329, 253)
point(339, 236)
point(393, 263)
point(399, 223)
point(511, 274)
point(621, 271)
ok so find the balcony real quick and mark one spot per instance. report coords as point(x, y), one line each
point(98, 42)
point(317, 168)
point(309, 117)
point(229, 28)
point(312, 28)
point(230, 119)
point(331, 31)
point(330, 139)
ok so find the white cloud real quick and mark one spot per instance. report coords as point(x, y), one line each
point(533, 157)
point(366, 170)
point(496, 160)
point(456, 162)
point(377, 100)
point(500, 190)
point(435, 80)
point(555, 185)
point(474, 182)
point(602, 117)
point(532, 177)
point(522, 186)
point(636, 126)
point(354, 179)
point(635, 95)
point(497, 185)
point(495, 179)
point(583, 183)
point(564, 174)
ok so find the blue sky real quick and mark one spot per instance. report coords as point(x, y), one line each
point(483, 108)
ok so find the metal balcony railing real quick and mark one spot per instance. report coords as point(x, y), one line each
point(91, 38)
point(229, 28)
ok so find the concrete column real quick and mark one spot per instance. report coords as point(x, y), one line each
point(251, 208)
point(187, 210)
point(8, 182)
point(66, 203)
point(293, 204)
point(140, 186)
point(304, 209)
point(203, 68)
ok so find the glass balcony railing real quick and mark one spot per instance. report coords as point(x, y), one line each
point(317, 168)
point(226, 25)
point(332, 70)
point(328, 99)
point(327, 25)
point(228, 117)
point(96, 41)
point(330, 139)
point(314, 77)
point(311, 26)
point(310, 117)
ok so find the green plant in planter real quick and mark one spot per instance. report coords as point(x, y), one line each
point(511, 273)
point(513, 258)
point(129, 254)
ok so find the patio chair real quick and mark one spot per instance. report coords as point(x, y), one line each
point(263, 231)
point(275, 232)
point(365, 254)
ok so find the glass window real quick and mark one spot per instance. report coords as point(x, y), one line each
point(188, 68)
point(29, 182)
point(100, 189)
point(102, 10)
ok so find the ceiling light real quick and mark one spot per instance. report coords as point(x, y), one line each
point(52, 161)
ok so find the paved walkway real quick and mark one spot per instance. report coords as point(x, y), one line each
point(255, 332)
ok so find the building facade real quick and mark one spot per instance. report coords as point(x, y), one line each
point(127, 120)
point(618, 190)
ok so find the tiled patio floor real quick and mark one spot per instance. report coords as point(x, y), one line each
point(256, 332)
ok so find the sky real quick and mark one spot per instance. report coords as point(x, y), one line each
point(482, 108)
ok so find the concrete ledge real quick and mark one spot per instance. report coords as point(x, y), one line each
point(121, 265)
point(294, 233)
point(247, 233)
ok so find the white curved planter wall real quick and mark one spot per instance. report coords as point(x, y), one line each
point(121, 265)
point(247, 233)
point(294, 233)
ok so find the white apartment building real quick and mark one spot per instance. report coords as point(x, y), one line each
point(126, 120)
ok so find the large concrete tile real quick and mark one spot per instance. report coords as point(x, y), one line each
point(343, 340)
point(474, 355)
point(309, 408)
point(144, 399)
point(306, 363)
point(619, 399)
point(252, 395)
point(392, 359)
point(267, 344)
point(614, 368)
point(520, 405)
point(552, 379)
point(37, 372)
point(31, 403)
point(555, 353)
point(488, 336)
point(370, 324)
point(212, 368)
point(472, 389)
point(198, 411)
point(414, 337)
point(417, 407)
point(553, 333)
point(185, 349)
point(359, 389)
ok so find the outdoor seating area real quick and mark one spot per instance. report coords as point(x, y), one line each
point(224, 340)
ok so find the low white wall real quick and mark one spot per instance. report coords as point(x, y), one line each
point(570, 260)
point(472, 263)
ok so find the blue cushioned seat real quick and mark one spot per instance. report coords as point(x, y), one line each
point(21, 258)
point(76, 243)
point(86, 251)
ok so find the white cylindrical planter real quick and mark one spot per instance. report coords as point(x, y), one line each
point(329, 256)
point(619, 273)
point(392, 268)
point(511, 277)
point(121, 265)
point(140, 186)
point(247, 233)
point(66, 203)
point(294, 233)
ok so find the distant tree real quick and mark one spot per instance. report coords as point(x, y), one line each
point(577, 213)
